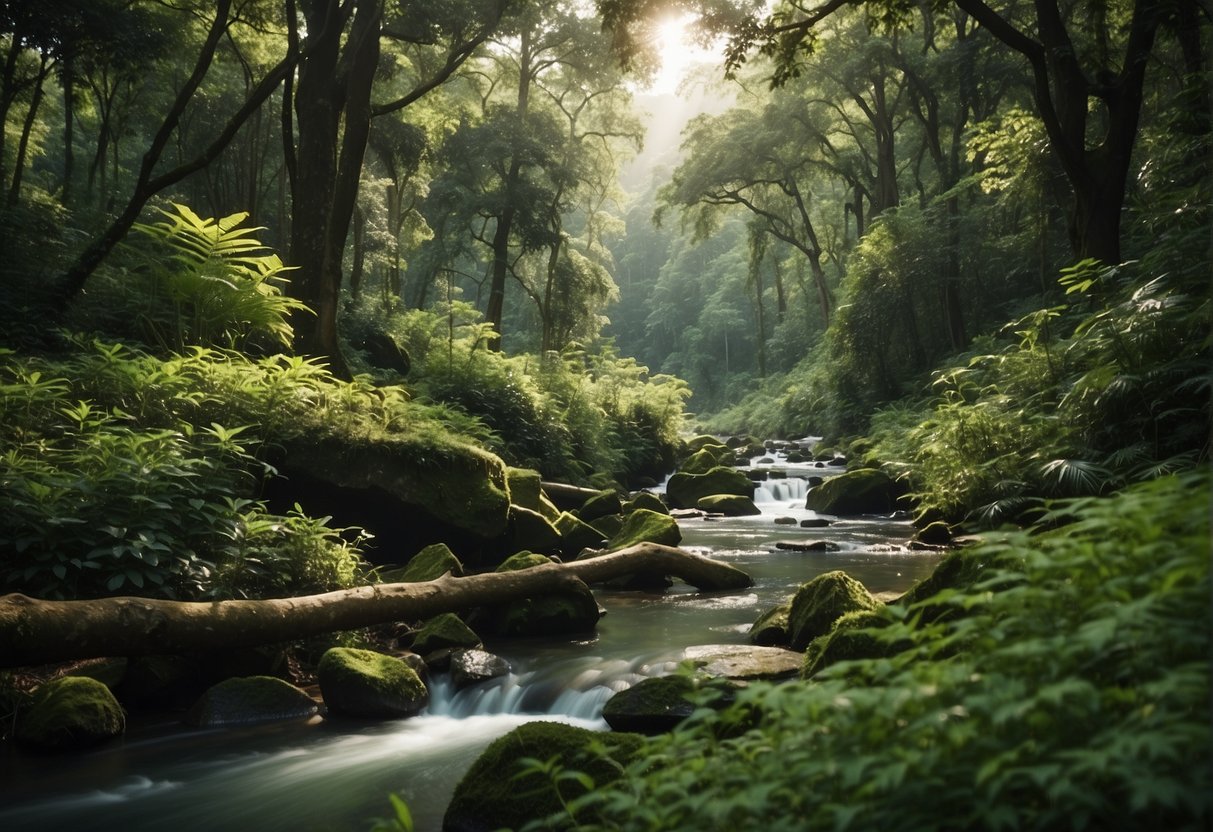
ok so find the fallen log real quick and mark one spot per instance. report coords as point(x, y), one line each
point(567, 497)
point(34, 631)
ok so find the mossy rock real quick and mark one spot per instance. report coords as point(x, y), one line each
point(458, 485)
point(937, 533)
point(730, 505)
point(958, 570)
point(851, 638)
point(69, 713)
point(771, 628)
point(821, 602)
point(364, 683)
point(707, 458)
point(646, 500)
point(569, 612)
point(600, 505)
point(531, 530)
point(250, 699)
point(703, 440)
point(442, 631)
point(864, 491)
point(576, 534)
point(608, 525)
point(524, 486)
point(431, 563)
point(685, 490)
point(495, 794)
point(642, 526)
point(548, 509)
point(651, 706)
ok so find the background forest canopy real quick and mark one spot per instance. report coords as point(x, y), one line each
point(463, 192)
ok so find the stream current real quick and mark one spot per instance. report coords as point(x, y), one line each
point(335, 775)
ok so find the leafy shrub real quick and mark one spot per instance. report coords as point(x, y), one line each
point(1071, 692)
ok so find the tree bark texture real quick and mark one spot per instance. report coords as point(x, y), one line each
point(36, 632)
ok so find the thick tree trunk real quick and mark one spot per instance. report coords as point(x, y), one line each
point(39, 632)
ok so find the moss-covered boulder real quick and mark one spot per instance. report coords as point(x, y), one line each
point(531, 530)
point(647, 500)
point(937, 533)
point(771, 628)
point(821, 602)
point(685, 490)
point(68, 713)
point(852, 637)
point(568, 612)
point(730, 505)
point(495, 794)
point(405, 484)
point(642, 526)
point(609, 525)
point(364, 683)
point(703, 440)
point(525, 486)
point(576, 534)
point(600, 505)
point(431, 563)
point(250, 699)
point(707, 458)
point(864, 491)
point(651, 706)
point(442, 631)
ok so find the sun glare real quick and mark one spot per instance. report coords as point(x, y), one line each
point(678, 53)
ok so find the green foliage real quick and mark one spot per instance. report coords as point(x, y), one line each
point(194, 281)
point(1071, 691)
point(401, 819)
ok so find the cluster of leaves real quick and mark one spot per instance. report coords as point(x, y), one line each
point(1066, 687)
point(1084, 399)
point(575, 416)
point(122, 475)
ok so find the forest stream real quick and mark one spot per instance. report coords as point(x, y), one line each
point(336, 774)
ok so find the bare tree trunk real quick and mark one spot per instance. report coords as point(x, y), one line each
point(39, 632)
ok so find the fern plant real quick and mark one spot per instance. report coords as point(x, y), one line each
point(211, 282)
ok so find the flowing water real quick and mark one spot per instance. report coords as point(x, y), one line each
point(336, 774)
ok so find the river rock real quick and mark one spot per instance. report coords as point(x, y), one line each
point(609, 525)
point(600, 505)
point(472, 666)
point(865, 491)
point(807, 545)
point(531, 530)
point(850, 638)
point(937, 533)
point(524, 487)
point(730, 505)
point(821, 602)
point(568, 612)
point(70, 713)
point(431, 563)
point(496, 794)
point(771, 628)
point(647, 500)
point(643, 525)
point(743, 662)
point(364, 683)
point(651, 706)
point(576, 535)
point(684, 490)
point(758, 475)
point(445, 630)
point(250, 699)
point(814, 523)
point(703, 440)
point(785, 521)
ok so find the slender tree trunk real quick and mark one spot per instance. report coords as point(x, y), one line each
point(39, 632)
point(359, 253)
point(69, 138)
point(27, 127)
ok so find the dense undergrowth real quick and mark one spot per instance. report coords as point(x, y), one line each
point(1065, 686)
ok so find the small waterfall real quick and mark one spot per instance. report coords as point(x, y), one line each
point(781, 491)
point(534, 692)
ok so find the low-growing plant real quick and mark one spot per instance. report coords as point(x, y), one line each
point(1070, 691)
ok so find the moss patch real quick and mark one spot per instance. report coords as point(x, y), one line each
point(651, 706)
point(647, 500)
point(643, 525)
point(431, 563)
point(771, 628)
point(369, 684)
point(69, 713)
point(446, 630)
point(576, 535)
point(524, 487)
point(600, 505)
point(492, 795)
point(821, 602)
point(865, 491)
point(531, 530)
point(731, 505)
point(850, 638)
point(685, 490)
